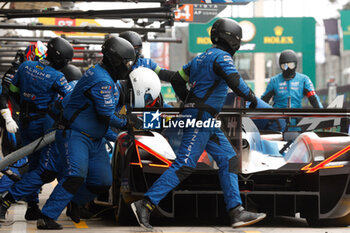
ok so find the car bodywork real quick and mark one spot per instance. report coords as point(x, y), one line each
point(310, 177)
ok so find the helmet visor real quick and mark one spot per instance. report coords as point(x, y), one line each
point(148, 99)
point(129, 64)
point(40, 50)
point(290, 65)
point(35, 51)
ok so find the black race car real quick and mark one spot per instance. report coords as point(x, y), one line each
point(281, 174)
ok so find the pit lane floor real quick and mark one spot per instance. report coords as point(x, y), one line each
point(16, 224)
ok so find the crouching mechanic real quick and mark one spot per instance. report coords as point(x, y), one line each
point(209, 76)
point(87, 115)
point(146, 87)
point(38, 83)
point(50, 163)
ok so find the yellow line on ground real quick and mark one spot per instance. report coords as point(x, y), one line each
point(82, 224)
point(31, 229)
point(159, 231)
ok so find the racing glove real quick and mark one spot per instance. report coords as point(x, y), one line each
point(11, 125)
point(134, 121)
point(252, 98)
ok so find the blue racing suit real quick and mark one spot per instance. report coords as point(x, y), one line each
point(50, 163)
point(49, 166)
point(38, 85)
point(284, 90)
point(88, 113)
point(209, 75)
point(295, 89)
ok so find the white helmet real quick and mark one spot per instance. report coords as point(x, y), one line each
point(146, 86)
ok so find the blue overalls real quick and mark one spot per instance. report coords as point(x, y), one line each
point(38, 85)
point(292, 90)
point(50, 163)
point(207, 85)
point(88, 113)
point(295, 89)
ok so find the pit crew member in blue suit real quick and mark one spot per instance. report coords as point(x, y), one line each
point(50, 164)
point(11, 139)
point(209, 76)
point(88, 114)
point(9, 106)
point(38, 83)
point(146, 86)
point(33, 52)
point(289, 87)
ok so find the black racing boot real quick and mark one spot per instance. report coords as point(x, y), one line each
point(240, 217)
point(73, 211)
point(142, 210)
point(5, 202)
point(46, 223)
point(33, 212)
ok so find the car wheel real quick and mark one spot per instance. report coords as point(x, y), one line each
point(336, 222)
point(122, 211)
point(116, 169)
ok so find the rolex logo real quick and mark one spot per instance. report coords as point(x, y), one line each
point(278, 30)
point(278, 38)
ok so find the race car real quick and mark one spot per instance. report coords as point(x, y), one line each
point(312, 178)
point(281, 174)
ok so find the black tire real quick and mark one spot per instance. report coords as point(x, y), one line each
point(336, 222)
point(122, 213)
point(116, 170)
